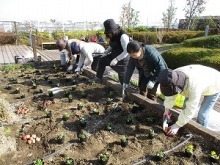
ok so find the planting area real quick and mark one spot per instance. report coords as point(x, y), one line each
point(82, 123)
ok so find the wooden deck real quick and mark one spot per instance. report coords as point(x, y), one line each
point(8, 53)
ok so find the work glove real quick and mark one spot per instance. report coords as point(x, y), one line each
point(77, 70)
point(172, 130)
point(150, 85)
point(70, 68)
point(114, 62)
point(167, 114)
point(124, 86)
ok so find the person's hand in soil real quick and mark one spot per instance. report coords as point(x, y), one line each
point(172, 130)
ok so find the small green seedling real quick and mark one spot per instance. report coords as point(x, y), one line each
point(189, 150)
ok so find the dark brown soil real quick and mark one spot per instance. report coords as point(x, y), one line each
point(99, 139)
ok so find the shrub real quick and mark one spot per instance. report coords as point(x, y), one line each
point(204, 42)
point(185, 56)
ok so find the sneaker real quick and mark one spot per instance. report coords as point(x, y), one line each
point(95, 80)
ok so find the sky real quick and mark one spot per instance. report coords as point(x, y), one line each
point(93, 10)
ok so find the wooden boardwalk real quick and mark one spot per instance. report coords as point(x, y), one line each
point(8, 53)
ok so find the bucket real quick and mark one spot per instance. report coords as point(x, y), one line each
point(62, 58)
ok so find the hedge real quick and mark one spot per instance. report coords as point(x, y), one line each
point(185, 56)
point(205, 42)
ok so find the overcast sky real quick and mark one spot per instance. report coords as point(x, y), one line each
point(92, 10)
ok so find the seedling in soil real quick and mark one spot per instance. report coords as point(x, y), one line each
point(50, 93)
point(135, 108)
point(17, 90)
point(151, 133)
point(70, 98)
point(82, 137)
point(214, 157)
point(50, 81)
point(79, 106)
point(82, 122)
point(160, 155)
point(124, 141)
point(73, 88)
point(46, 77)
point(48, 114)
point(108, 127)
point(22, 96)
point(117, 108)
point(96, 111)
point(69, 161)
point(129, 120)
point(66, 93)
point(38, 162)
point(83, 94)
point(66, 116)
point(60, 139)
point(103, 158)
point(189, 150)
point(8, 87)
point(34, 85)
point(109, 100)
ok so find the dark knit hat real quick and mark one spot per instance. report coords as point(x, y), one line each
point(110, 26)
point(171, 82)
point(74, 48)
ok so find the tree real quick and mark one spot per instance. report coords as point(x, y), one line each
point(193, 9)
point(129, 17)
point(168, 16)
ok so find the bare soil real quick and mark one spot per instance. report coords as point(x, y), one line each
point(99, 139)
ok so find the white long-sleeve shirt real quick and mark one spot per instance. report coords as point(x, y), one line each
point(88, 50)
point(201, 81)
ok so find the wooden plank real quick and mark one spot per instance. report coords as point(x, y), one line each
point(4, 53)
point(10, 54)
point(1, 56)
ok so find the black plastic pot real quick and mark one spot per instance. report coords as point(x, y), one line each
point(124, 143)
point(60, 140)
point(214, 160)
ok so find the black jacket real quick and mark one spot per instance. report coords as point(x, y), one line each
point(153, 64)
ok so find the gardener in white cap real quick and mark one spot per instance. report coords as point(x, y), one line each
point(149, 64)
point(116, 54)
point(192, 81)
point(66, 44)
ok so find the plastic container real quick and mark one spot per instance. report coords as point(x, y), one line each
point(62, 58)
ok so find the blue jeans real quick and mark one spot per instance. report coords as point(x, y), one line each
point(205, 108)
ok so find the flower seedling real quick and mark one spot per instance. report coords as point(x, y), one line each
point(129, 120)
point(82, 137)
point(160, 155)
point(82, 122)
point(96, 111)
point(124, 141)
point(17, 90)
point(189, 150)
point(46, 77)
point(48, 114)
point(83, 94)
point(79, 106)
point(34, 85)
point(108, 127)
point(109, 100)
point(70, 98)
point(151, 133)
point(50, 93)
point(103, 158)
point(38, 162)
point(66, 116)
point(214, 157)
point(60, 139)
point(69, 161)
point(66, 93)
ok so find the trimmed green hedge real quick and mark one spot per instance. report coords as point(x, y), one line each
point(206, 42)
point(185, 56)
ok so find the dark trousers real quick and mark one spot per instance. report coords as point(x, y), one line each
point(119, 67)
point(95, 62)
point(142, 84)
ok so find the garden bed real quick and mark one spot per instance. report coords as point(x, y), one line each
point(51, 128)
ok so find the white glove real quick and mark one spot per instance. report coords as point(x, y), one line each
point(172, 130)
point(77, 69)
point(150, 85)
point(87, 62)
point(124, 86)
point(114, 62)
point(70, 68)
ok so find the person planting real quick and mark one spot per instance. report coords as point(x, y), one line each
point(192, 81)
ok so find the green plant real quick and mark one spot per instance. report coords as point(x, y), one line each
point(69, 161)
point(48, 114)
point(134, 82)
point(82, 137)
point(109, 100)
point(66, 116)
point(79, 106)
point(160, 155)
point(189, 150)
point(214, 157)
point(104, 157)
point(60, 138)
point(124, 141)
point(114, 77)
point(108, 127)
point(82, 122)
point(151, 133)
point(39, 162)
point(70, 98)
